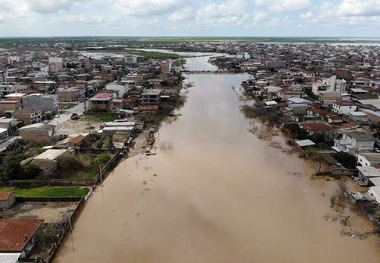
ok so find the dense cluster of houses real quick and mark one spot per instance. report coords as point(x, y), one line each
point(35, 84)
point(329, 91)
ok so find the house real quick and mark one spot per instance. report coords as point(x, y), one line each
point(368, 159)
point(316, 128)
point(151, 97)
point(374, 191)
point(7, 199)
point(70, 95)
point(317, 112)
point(148, 110)
point(44, 85)
point(28, 116)
point(17, 235)
point(9, 124)
point(366, 173)
point(166, 66)
point(354, 141)
point(46, 161)
point(343, 108)
point(299, 109)
point(9, 105)
point(38, 132)
point(286, 94)
point(372, 115)
point(102, 100)
point(358, 116)
point(130, 103)
point(118, 88)
point(327, 98)
point(40, 102)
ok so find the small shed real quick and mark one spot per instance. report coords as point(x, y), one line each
point(305, 143)
point(7, 199)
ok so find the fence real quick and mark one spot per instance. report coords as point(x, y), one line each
point(64, 182)
point(48, 199)
point(50, 182)
point(67, 226)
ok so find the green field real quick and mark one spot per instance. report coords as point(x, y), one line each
point(99, 117)
point(146, 41)
point(48, 191)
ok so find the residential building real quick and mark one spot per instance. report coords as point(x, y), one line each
point(9, 124)
point(9, 105)
point(55, 64)
point(367, 173)
point(17, 235)
point(102, 100)
point(328, 84)
point(41, 102)
point(368, 159)
point(316, 128)
point(118, 88)
point(166, 66)
point(343, 108)
point(70, 95)
point(38, 132)
point(28, 116)
point(358, 116)
point(151, 97)
point(7, 200)
point(354, 141)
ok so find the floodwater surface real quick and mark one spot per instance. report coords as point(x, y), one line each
point(213, 193)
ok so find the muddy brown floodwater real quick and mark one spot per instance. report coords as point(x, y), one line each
point(213, 193)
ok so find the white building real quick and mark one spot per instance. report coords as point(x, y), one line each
point(55, 64)
point(368, 159)
point(329, 84)
point(354, 141)
point(343, 108)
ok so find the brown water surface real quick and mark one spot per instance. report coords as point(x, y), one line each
point(213, 193)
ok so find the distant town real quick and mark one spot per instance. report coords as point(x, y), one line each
point(72, 110)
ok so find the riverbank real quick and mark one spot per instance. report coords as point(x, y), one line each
point(213, 193)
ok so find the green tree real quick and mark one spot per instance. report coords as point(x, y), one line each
point(346, 159)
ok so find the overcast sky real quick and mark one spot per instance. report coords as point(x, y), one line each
point(351, 18)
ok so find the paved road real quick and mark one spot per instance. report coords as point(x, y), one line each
point(65, 115)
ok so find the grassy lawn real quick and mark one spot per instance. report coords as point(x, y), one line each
point(99, 117)
point(48, 191)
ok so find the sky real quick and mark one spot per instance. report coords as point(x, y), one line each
point(335, 18)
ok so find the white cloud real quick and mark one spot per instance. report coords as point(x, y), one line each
point(146, 7)
point(184, 14)
point(50, 6)
point(307, 15)
point(359, 8)
point(83, 19)
point(259, 16)
point(229, 12)
point(283, 5)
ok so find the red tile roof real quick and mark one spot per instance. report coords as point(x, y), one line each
point(130, 100)
point(317, 126)
point(76, 139)
point(103, 95)
point(319, 111)
point(5, 195)
point(15, 234)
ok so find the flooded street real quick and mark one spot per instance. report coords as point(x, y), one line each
point(213, 193)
